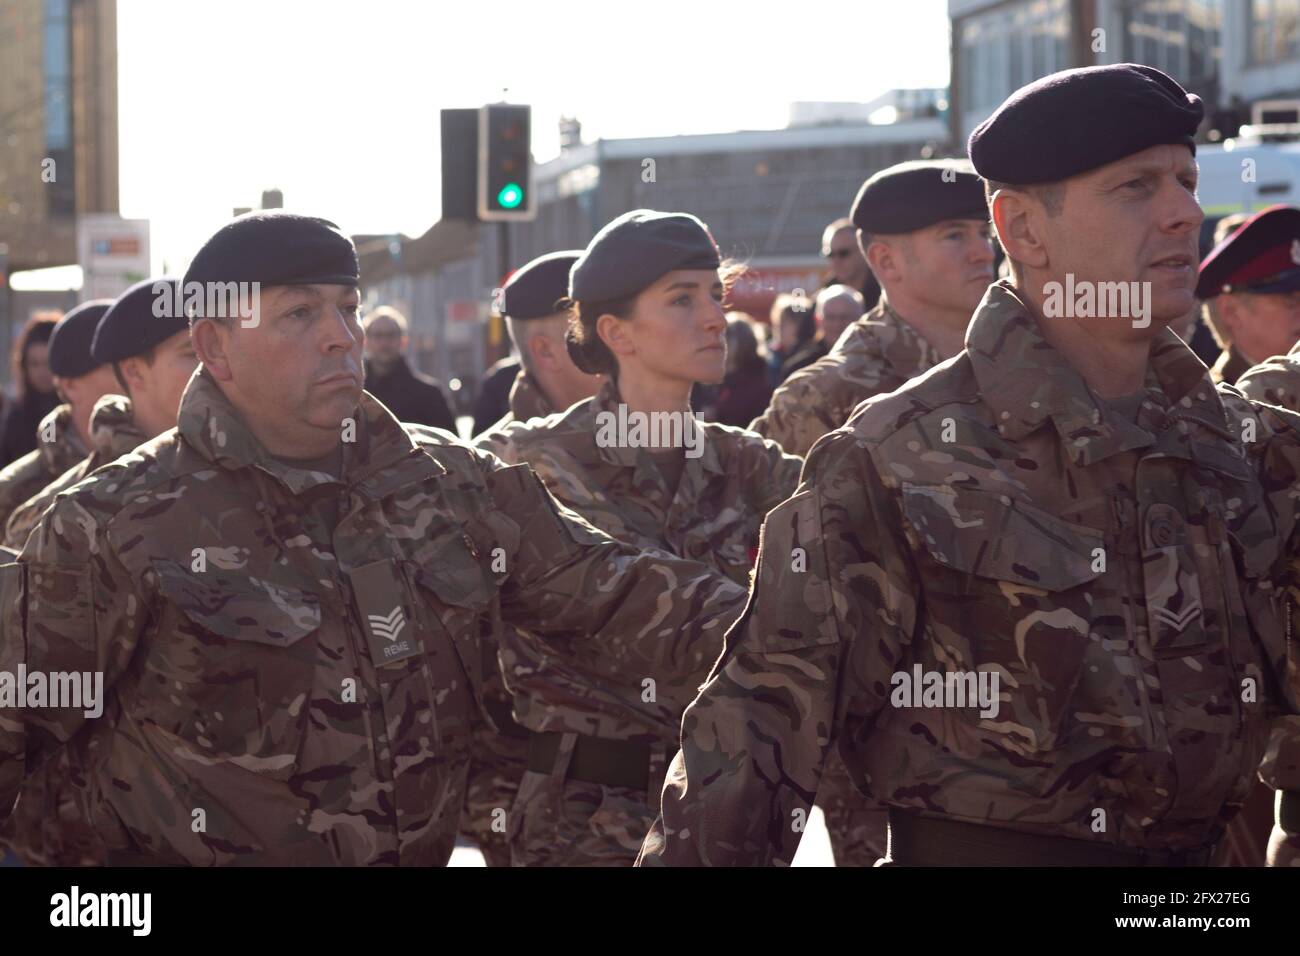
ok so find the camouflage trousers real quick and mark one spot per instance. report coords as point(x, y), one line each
point(496, 763)
point(857, 825)
point(564, 822)
point(47, 827)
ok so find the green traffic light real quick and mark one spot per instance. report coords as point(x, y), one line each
point(511, 196)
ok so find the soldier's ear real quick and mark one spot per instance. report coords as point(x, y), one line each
point(616, 334)
point(883, 258)
point(1018, 219)
point(210, 341)
point(544, 350)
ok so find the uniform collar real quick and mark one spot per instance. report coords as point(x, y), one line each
point(381, 457)
point(1024, 380)
point(67, 449)
point(527, 400)
point(907, 349)
point(113, 429)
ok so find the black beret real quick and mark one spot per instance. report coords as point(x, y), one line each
point(1076, 120)
point(70, 341)
point(147, 313)
point(1262, 256)
point(533, 291)
point(913, 195)
point(273, 247)
point(637, 248)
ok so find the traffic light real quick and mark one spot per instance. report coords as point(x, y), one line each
point(505, 163)
point(460, 164)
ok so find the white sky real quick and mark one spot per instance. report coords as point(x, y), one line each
point(336, 103)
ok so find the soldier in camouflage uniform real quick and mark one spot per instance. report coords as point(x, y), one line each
point(152, 360)
point(1250, 284)
point(1117, 562)
point(149, 356)
point(114, 431)
point(1260, 261)
point(924, 228)
point(288, 594)
point(44, 829)
point(62, 437)
point(531, 302)
point(532, 306)
point(596, 760)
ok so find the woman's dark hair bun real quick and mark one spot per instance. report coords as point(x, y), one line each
point(588, 352)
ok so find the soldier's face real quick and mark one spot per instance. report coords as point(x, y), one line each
point(85, 390)
point(157, 385)
point(1135, 220)
point(676, 330)
point(949, 265)
point(299, 368)
point(1261, 326)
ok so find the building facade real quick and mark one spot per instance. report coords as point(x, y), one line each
point(58, 124)
point(1000, 45)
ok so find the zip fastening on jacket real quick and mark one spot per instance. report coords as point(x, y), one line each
point(1121, 518)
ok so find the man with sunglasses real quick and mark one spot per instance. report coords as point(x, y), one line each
point(847, 264)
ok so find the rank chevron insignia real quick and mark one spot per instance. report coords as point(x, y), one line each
point(388, 627)
point(1179, 621)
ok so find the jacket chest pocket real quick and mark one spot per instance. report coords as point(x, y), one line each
point(232, 668)
point(1009, 590)
point(453, 609)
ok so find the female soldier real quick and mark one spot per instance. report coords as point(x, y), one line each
point(647, 311)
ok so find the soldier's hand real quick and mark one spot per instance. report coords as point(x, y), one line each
point(1283, 850)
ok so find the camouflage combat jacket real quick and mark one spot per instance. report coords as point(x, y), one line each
point(1125, 581)
point(26, 476)
point(280, 690)
point(1274, 381)
point(526, 401)
point(713, 517)
point(113, 433)
point(877, 353)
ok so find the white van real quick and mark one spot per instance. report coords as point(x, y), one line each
point(1258, 168)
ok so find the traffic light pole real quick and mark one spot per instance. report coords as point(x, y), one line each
point(503, 243)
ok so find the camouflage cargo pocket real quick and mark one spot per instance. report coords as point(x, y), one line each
point(231, 673)
point(1009, 589)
